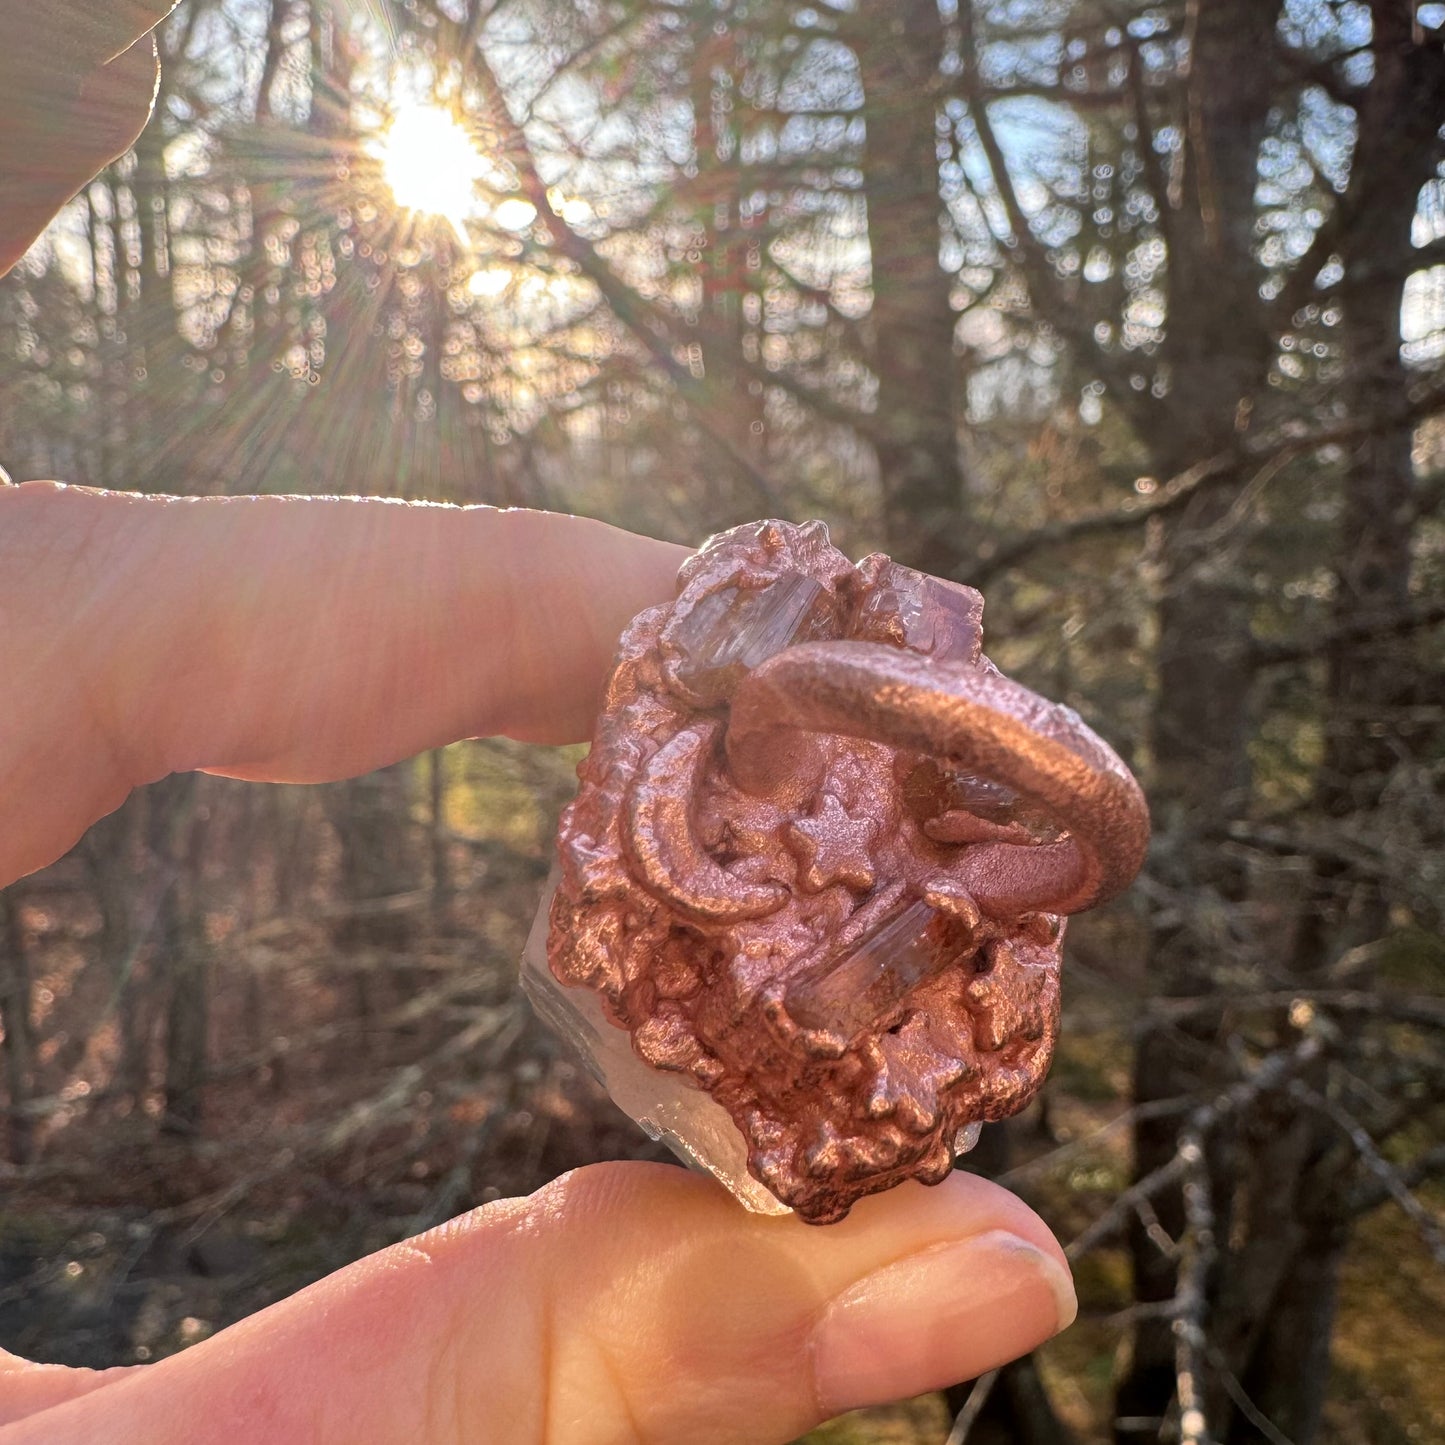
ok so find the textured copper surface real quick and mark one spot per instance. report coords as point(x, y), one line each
point(820, 858)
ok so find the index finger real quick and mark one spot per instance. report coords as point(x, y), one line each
point(286, 638)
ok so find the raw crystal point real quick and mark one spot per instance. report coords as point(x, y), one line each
point(804, 928)
point(669, 1107)
point(967, 1138)
point(849, 992)
point(728, 633)
point(956, 806)
point(925, 614)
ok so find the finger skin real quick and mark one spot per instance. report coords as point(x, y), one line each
point(77, 82)
point(622, 1303)
point(27, 1388)
point(288, 639)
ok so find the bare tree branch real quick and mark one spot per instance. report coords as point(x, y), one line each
point(1050, 304)
point(1196, 1258)
point(973, 1407)
point(994, 558)
point(1389, 1177)
point(1276, 1070)
point(1243, 1403)
point(1148, 154)
point(1430, 1165)
point(1416, 1009)
point(645, 322)
point(1368, 626)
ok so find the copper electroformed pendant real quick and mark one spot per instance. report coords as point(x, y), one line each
point(810, 909)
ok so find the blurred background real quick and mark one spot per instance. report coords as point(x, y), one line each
point(1132, 315)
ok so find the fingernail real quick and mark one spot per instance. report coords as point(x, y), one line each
point(946, 1314)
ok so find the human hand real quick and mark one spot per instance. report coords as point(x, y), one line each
point(77, 80)
point(308, 639)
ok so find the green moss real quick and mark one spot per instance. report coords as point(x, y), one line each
point(925, 1418)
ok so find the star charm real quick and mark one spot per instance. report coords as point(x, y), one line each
point(832, 847)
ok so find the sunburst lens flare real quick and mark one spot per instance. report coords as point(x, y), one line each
point(431, 164)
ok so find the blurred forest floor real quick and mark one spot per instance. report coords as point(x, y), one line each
point(358, 1094)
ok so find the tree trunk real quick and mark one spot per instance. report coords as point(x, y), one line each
point(899, 48)
point(1217, 351)
point(110, 855)
point(1368, 683)
point(175, 832)
point(724, 272)
point(18, 1044)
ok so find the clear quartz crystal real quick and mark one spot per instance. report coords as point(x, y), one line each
point(852, 991)
point(667, 1106)
point(729, 633)
point(967, 1138)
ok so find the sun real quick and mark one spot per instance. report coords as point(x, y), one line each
point(430, 162)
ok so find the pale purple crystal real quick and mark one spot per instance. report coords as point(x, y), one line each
point(853, 991)
point(728, 633)
point(960, 807)
point(924, 614)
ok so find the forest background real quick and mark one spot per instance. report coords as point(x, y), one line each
point(1132, 315)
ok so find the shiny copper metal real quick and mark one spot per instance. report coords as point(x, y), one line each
point(821, 856)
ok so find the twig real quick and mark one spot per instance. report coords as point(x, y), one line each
point(967, 1417)
point(1391, 622)
point(1422, 1009)
point(1244, 1404)
point(1270, 1075)
point(1426, 1166)
point(1172, 495)
point(1388, 1175)
point(444, 1197)
point(986, 564)
point(1154, 1230)
point(1207, 544)
point(499, 1027)
point(1154, 1109)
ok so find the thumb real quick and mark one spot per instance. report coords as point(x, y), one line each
point(625, 1302)
point(77, 81)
